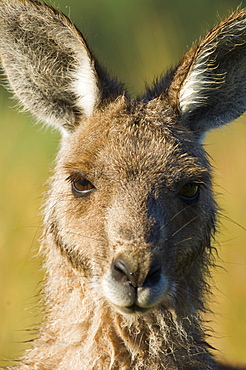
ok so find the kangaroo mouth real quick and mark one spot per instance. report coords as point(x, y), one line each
point(135, 300)
point(134, 309)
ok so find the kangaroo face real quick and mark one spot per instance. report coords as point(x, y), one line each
point(150, 182)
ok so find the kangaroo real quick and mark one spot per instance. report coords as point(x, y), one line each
point(130, 213)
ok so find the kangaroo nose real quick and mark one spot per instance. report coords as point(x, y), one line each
point(123, 272)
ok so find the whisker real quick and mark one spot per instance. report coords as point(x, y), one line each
point(184, 226)
point(183, 241)
point(173, 218)
point(222, 215)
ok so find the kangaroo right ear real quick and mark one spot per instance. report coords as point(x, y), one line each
point(48, 64)
point(210, 82)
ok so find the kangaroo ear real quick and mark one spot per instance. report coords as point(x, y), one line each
point(209, 86)
point(48, 64)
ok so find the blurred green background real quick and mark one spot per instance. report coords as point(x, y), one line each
point(137, 40)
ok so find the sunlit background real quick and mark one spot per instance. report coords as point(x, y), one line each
point(137, 40)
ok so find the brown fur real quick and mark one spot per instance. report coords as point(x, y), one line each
point(127, 247)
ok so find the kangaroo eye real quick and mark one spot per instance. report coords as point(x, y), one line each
point(190, 192)
point(82, 187)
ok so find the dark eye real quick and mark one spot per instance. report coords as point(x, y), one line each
point(82, 187)
point(189, 192)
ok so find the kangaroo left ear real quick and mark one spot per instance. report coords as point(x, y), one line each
point(49, 65)
point(209, 86)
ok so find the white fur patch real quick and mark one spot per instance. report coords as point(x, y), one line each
point(200, 81)
point(189, 92)
point(85, 84)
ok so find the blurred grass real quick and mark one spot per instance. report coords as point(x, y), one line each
point(137, 40)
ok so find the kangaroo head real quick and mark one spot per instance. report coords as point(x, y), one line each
point(130, 205)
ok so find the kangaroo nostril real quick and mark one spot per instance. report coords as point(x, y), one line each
point(120, 271)
point(120, 267)
point(154, 275)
